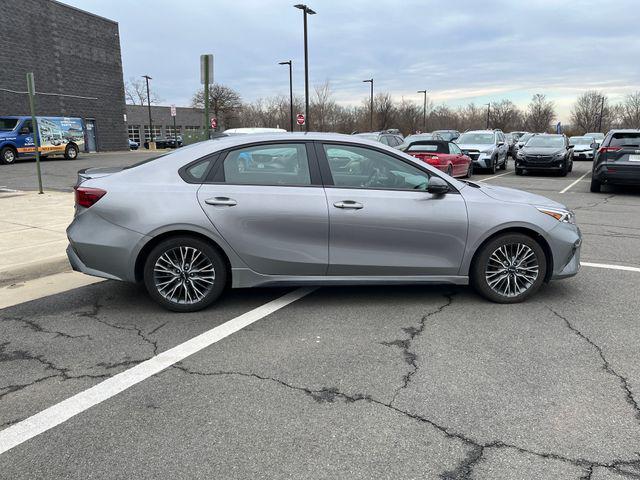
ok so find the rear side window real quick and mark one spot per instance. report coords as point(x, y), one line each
point(621, 139)
point(279, 164)
point(196, 172)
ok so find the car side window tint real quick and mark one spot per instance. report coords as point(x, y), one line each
point(27, 125)
point(454, 149)
point(384, 139)
point(198, 171)
point(359, 167)
point(279, 164)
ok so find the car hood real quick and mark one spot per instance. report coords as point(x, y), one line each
point(542, 150)
point(512, 195)
point(472, 146)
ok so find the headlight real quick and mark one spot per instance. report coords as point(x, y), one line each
point(520, 154)
point(565, 216)
point(559, 155)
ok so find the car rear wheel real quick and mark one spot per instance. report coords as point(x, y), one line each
point(469, 170)
point(509, 268)
point(185, 274)
point(71, 152)
point(450, 171)
point(595, 185)
point(8, 155)
point(519, 171)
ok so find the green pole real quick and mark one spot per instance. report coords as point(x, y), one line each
point(31, 87)
point(206, 97)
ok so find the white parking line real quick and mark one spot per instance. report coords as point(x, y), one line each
point(566, 189)
point(63, 411)
point(610, 267)
point(495, 176)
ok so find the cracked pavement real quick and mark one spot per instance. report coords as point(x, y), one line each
point(351, 382)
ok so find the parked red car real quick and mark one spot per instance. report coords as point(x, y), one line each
point(443, 155)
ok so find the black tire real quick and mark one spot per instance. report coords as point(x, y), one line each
point(519, 171)
point(504, 165)
point(564, 170)
point(480, 264)
point(450, 171)
point(170, 247)
point(71, 152)
point(570, 165)
point(596, 186)
point(469, 170)
point(492, 168)
point(8, 156)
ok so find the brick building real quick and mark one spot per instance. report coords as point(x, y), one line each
point(70, 52)
point(187, 120)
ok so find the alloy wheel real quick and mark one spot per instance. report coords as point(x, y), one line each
point(9, 156)
point(512, 269)
point(184, 275)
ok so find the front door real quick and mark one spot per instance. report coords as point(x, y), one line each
point(382, 220)
point(90, 129)
point(268, 204)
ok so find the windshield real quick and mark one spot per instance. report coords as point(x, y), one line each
point(597, 135)
point(546, 141)
point(8, 124)
point(525, 138)
point(581, 140)
point(476, 138)
point(445, 134)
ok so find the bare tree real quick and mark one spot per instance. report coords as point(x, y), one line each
point(629, 110)
point(471, 117)
point(224, 103)
point(505, 116)
point(323, 108)
point(540, 113)
point(409, 116)
point(443, 117)
point(384, 111)
point(586, 112)
point(135, 92)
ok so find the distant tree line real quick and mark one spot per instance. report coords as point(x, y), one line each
point(592, 111)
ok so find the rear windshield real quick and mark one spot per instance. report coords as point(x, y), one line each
point(8, 124)
point(631, 139)
point(425, 148)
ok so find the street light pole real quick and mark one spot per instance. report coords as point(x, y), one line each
point(306, 11)
point(288, 62)
point(147, 78)
point(424, 111)
point(488, 109)
point(600, 117)
point(371, 107)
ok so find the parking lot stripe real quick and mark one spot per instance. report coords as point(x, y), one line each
point(495, 176)
point(63, 411)
point(610, 267)
point(566, 189)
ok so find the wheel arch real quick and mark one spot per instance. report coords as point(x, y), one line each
point(530, 232)
point(147, 247)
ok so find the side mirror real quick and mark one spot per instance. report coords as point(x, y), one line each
point(437, 186)
point(594, 145)
point(500, 144)
point(570, 147)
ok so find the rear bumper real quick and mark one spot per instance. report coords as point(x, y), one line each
point(619, 174)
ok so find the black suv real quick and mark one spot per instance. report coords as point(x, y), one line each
point(545, 152)
point(617, 161)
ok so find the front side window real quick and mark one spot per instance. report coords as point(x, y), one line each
point(454, 149)
point(8, 124)
point(357, 167)
point(281, 164)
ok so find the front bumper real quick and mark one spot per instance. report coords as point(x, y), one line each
point(537, 165)
point(484, 160)
point(565, 241)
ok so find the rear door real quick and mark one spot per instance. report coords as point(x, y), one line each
point(268, 203)
point(382, 220)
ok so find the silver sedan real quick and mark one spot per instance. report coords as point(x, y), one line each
point(321, 209)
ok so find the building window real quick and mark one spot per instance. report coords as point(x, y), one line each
point(170, 132)
point(157, 132)
point(134, 132)
point(193, 128)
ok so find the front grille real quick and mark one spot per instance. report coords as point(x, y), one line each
point(538, 158)
point(473, 154)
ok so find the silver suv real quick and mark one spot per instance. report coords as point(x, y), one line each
point(487, 148)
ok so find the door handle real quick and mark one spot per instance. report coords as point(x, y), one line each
point(350, 204)
point(221, 201)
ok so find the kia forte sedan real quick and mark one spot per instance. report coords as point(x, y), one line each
point(311, 209)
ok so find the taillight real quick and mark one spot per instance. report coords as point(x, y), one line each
point(608, 149)
point(426, 157)
point(87, 197)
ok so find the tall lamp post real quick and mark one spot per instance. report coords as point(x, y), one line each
point(147, 78)
point(306, 11)
point(424, 111)
point(288, 62)
point(371, 107)
point(488, 109)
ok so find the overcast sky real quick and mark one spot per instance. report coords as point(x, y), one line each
point(459, 50)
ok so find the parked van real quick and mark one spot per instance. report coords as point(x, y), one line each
point(58, 136)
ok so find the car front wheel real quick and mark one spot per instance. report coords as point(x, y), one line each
point(71, 152)
point(509, 268)
point(184, 274)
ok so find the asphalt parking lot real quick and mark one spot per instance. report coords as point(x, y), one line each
point(350, 382)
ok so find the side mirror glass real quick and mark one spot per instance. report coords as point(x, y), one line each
point(437, 186)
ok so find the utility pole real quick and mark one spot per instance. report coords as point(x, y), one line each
point(488, 110)
point(288, 62)
point(424, 111)
point(147, 78)
point(306, 11)
point(601, 113)
point(371, 107)
point(31, 87)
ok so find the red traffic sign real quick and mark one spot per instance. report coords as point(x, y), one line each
point(300, 119)
point(214, 122)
